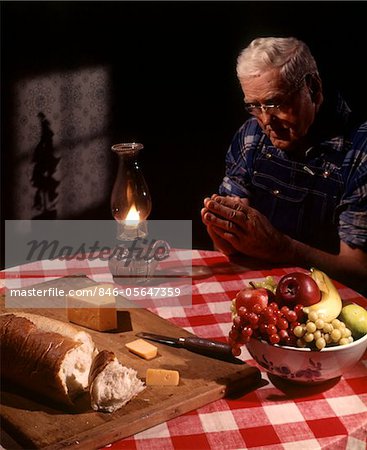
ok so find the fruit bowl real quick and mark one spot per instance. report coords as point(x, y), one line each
point(299, 328)
point(304, 365)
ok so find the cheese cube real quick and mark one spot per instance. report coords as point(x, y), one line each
point(162, 377)
point(93, 307)
point(142, 348)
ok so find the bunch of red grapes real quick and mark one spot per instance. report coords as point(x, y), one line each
point(270, 323)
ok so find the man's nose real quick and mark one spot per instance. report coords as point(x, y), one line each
point(266, 116)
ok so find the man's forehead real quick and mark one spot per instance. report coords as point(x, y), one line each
point(265, 85)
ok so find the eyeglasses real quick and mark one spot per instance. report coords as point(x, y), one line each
point(257, 108)
point(273, 108)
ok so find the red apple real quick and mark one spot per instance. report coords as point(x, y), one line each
point(248, 297)
point(297, 288)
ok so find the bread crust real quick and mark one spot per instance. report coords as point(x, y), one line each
point(44, 323)
point(100, 362)
point(32, 358)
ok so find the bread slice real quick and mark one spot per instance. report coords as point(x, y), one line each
point(46, 356)
point(112, 385)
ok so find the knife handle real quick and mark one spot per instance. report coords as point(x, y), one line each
point(215, 349)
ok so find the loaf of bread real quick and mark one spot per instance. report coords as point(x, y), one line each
point(46, 356)
point(112, 385)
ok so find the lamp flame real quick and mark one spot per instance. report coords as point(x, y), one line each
point(133, 216)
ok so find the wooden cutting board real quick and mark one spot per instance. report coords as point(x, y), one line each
point(36, 424)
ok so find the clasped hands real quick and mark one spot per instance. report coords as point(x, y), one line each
point(235, 227)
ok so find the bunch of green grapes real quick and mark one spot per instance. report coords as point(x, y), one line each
point(269, 283)
point(318, 333)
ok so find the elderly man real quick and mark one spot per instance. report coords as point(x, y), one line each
point(295, 187)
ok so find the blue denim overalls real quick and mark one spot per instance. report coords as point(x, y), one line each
point(300, 198)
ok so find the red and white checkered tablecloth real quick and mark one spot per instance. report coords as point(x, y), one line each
point(273, 416)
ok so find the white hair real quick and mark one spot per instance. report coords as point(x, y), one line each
point(290, 55)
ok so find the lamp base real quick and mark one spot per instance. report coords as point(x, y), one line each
point(135, 261)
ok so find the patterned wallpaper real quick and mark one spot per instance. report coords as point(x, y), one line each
point(61, 145)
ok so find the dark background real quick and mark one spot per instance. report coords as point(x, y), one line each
point(174, 83)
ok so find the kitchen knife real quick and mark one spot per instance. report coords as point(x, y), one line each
point(213, 349)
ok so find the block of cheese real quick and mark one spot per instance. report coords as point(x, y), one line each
point(93, 307)
point(162, 377)
point(142, 348)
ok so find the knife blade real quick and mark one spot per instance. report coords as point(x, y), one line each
point(206, 347)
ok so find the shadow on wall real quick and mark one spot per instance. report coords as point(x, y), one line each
point(45, 164)
point(58, 159)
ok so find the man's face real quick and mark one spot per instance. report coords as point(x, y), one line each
point(288, 125)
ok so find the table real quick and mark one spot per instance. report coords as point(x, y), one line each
point(276, 415)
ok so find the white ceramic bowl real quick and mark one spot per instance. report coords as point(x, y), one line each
point(304, 365)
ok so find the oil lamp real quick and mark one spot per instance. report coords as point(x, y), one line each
point(136, 256)
point(130, 200)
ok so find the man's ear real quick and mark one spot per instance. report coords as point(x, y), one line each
point(314, 85)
